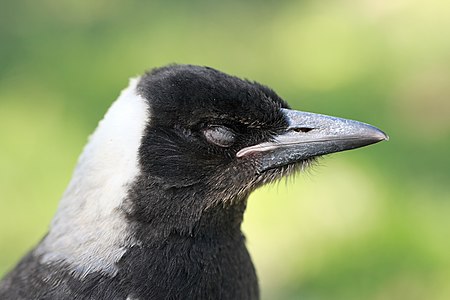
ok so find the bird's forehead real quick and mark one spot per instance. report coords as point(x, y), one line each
point(190, 94)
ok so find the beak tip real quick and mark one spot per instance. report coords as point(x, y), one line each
point(381, 136)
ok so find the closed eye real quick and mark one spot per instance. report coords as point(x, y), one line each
point(219, 135)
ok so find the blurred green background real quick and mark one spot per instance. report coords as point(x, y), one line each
point(367, 224)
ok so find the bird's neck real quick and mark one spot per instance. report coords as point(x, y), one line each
point(203, 256)
point(158, 212)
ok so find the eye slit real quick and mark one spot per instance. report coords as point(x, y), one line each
point(219, 135)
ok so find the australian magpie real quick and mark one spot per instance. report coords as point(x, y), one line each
point(155, 205)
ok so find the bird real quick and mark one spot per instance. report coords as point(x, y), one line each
point(156, 201)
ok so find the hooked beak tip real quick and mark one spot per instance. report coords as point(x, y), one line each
point(379, 135)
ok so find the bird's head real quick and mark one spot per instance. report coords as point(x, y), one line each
point(216, 137)
point(178, 152)
point(200, 120)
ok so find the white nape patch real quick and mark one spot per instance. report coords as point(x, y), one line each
point(89, 230)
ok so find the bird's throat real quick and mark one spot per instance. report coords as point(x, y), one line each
point(160, 213)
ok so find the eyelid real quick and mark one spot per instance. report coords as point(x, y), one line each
point(219, 135)
point(226, 127)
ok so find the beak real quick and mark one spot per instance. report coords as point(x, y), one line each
point(309, 135)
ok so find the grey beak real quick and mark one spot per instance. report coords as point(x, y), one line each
point(310, 135)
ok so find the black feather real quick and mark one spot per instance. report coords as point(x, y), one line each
point(186, 207)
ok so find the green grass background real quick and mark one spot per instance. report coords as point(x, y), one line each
point(367, 224)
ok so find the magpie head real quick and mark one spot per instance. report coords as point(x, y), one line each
point(178, 152)
point(226, 136)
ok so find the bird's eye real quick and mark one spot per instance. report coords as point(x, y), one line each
point(219, 135)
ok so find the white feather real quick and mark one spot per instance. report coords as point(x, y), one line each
point(89, 231)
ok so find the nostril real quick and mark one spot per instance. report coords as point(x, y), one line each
point(302, 129)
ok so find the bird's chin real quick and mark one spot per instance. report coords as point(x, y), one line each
point(286, 170)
